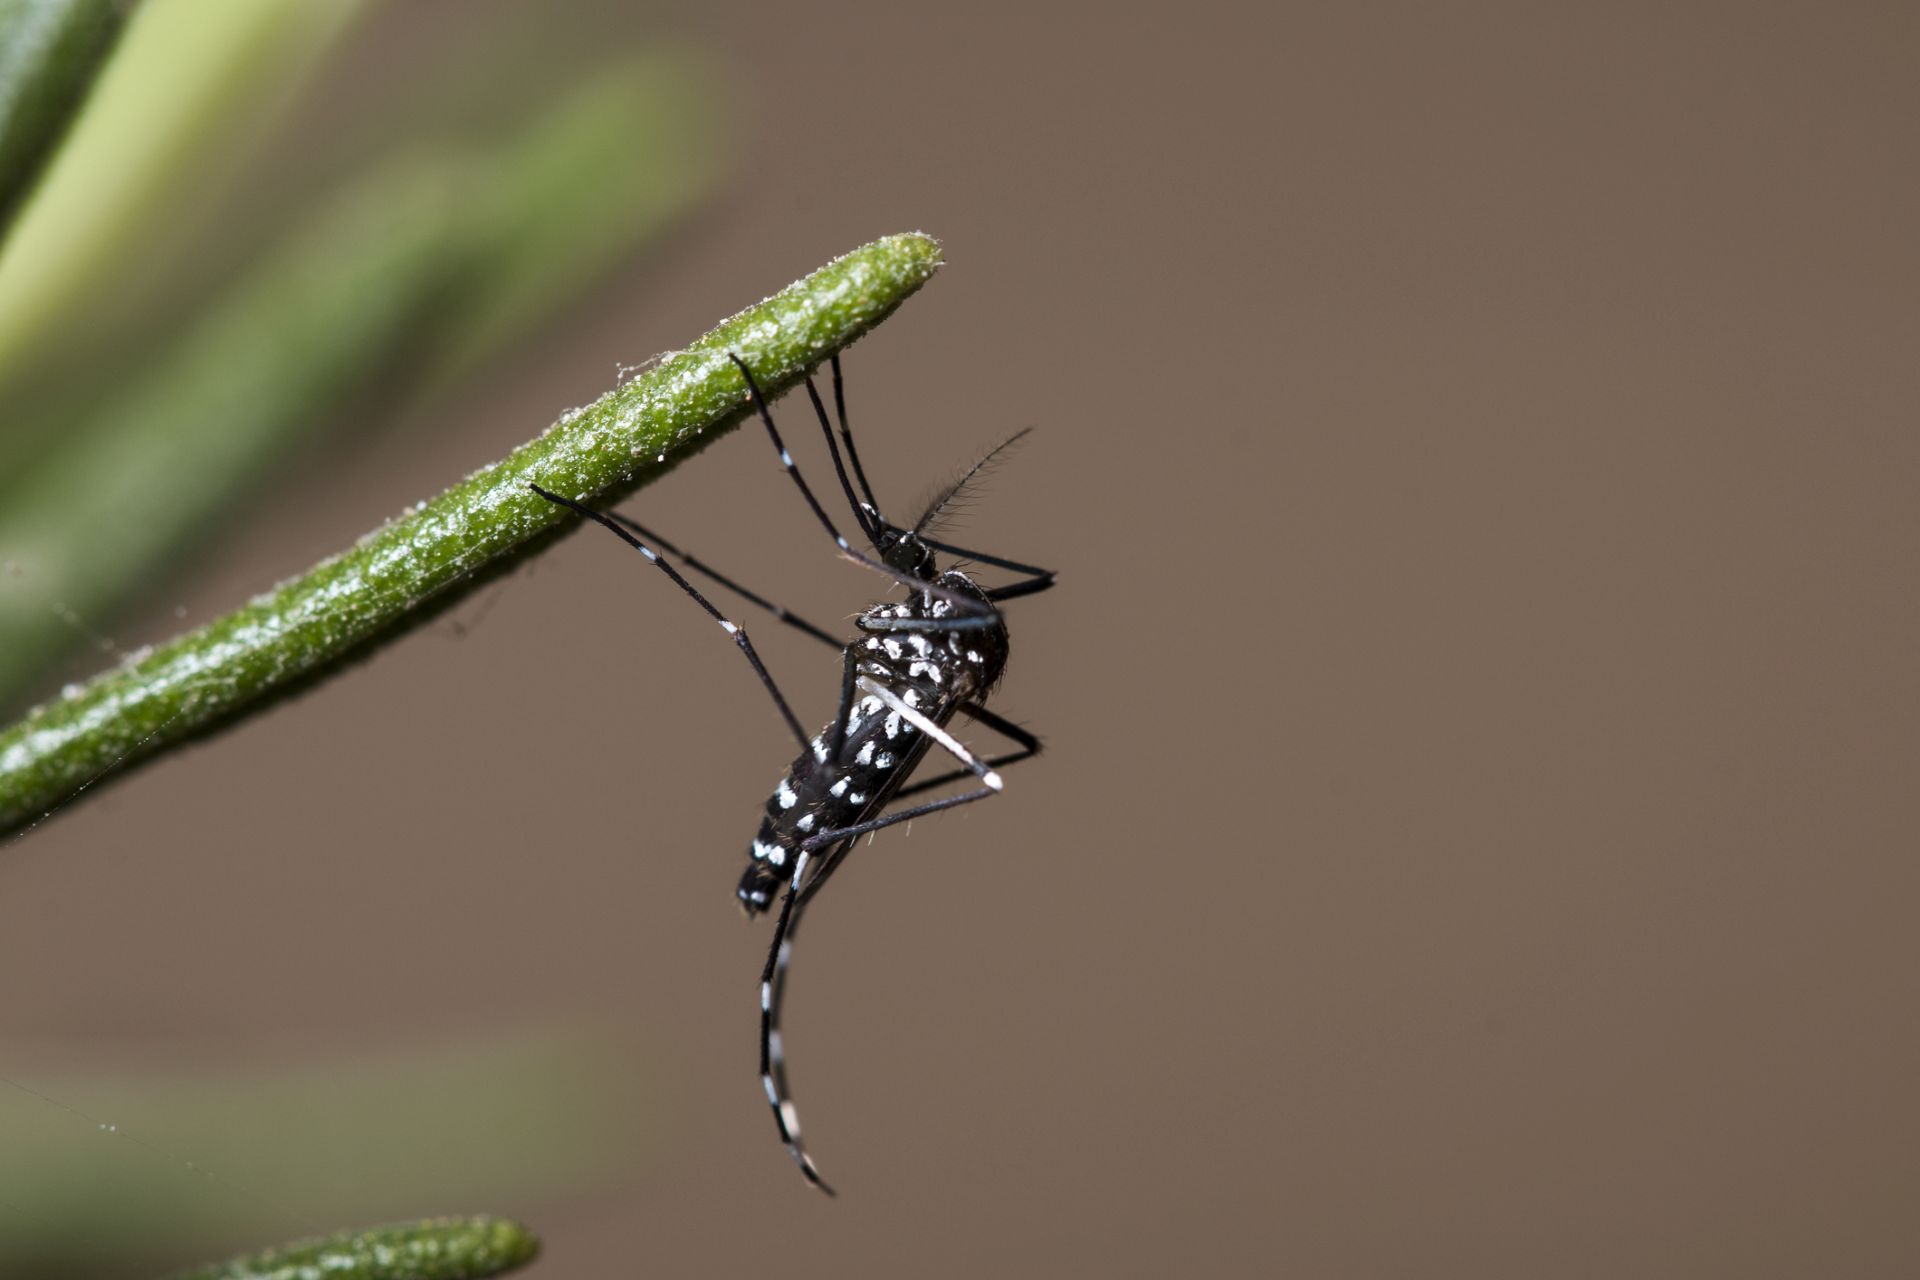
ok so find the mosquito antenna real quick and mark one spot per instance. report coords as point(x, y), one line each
point(948, 493)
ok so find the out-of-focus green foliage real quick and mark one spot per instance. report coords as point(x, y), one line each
point(472, 244)
point(98, 1172)
point(187, 82)
point(50, 51)
point(617, 161)
point(114, 456)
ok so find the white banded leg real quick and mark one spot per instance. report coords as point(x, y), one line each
point(773, 1060)
point(970, 612)
point(1029, 747)
point(727, 625)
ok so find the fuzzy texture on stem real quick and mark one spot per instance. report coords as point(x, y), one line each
point(413, 565)
point(437, 1249)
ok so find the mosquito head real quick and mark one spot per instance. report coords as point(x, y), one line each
point(902, 549)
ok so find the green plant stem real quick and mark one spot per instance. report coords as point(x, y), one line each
point(49, 53)
point(438, 1249)
point(96, 516)
point(625, 438)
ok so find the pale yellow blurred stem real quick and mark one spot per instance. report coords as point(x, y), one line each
point(191, 84)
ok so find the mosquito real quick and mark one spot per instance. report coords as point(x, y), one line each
point(912, 666)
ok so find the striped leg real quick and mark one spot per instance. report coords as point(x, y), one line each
point(992, 782)
point(800, 890)
point(970, 612)
point(731, 628)
point(773, 1060)
point(701, 567)
point(1029, 747)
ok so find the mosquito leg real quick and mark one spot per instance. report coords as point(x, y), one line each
point(694, 563)
point(1037, 579)
point(846, 434)
point(1030, 587)
point(849, 669)
point(930, 626)
point(731, 628)
point(904, 815)
point(1029, 747)
point(960, 603)
point(868, 529)
point(773, 1061)
point(980, 768)
point(998, 562)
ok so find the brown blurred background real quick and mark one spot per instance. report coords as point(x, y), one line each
point(1477, 833)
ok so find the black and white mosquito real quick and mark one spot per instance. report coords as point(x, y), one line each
point(911, 668)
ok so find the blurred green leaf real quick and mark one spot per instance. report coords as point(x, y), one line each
point(50, 51)
point(610, 167)
point(470, 243)
point(630, 435)
point(96, 1171)
point(187, 83)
